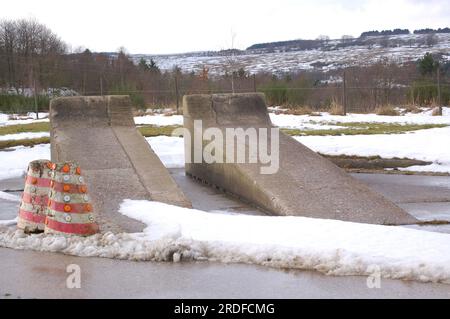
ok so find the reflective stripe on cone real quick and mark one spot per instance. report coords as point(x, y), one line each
point(38, 181)
point(31, 217)
point(70, 208)
point(70, 228)
point(36, 200)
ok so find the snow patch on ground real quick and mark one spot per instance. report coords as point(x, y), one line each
point(29, 118)
point(14, 161)
point(332, 247)
point(10, 197)
point(7, 223)
point(324, 121)
point(23, 136)
point(298, 121)
point(170, 150)
point(159, 120)
point(427, 145)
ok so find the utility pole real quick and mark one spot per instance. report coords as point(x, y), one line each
point(35, 100)
point(439, 89)
point(176, 92)
point(254, 82)
point(344, 94)
point(101, 85)
point(84, 83)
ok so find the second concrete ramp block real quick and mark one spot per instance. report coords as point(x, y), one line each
point(305, 184)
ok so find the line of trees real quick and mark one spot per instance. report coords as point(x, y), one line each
point(384, 32)
point(403, 31)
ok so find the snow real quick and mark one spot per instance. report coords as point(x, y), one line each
point(286, 60)
point(23, 136)
point(42, 115)
point(14, 161)
point(170, 150)
point(428, 145)
point(4, 121)
point(298, 121)
point(332, 247)
point(159, 120)
point(9, 197)
point(8, 223)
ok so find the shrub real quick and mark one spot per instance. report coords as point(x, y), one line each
point(437, 111)
point(411, 109)
point(304, 110)
point(276, 94)
point(336, 108)
point(13, 103)
point(426, 93)
point(387, 110)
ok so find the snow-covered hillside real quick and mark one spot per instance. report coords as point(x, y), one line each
point(398, 48)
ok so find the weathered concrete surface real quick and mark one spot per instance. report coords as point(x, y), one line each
point(99, 133)
point(306, 184)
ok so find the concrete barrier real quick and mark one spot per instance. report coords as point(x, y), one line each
point(306, 184)
point(100, 135)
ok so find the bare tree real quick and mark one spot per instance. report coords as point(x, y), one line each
point(345, 39)
point(431, 39)
point(323, 38)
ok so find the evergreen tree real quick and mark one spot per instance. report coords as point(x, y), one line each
point(427, 65)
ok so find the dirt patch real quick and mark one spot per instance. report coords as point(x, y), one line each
point(377, 164)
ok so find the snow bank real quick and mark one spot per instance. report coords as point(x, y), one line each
point(23, 136)
point(329, 246)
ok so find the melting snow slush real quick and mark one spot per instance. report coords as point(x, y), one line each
point(329, 246)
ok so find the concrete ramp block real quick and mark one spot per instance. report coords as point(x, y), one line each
point(99, 133)
point(305, 184)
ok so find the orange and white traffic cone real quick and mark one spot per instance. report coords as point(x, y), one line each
point(33, 207)
point(69, 209)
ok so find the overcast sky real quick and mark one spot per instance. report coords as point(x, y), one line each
point(171, 26)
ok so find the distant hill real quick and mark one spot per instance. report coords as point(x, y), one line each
point(311, 55)
point(302, 44)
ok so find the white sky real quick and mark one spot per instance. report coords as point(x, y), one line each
point(170, 26)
